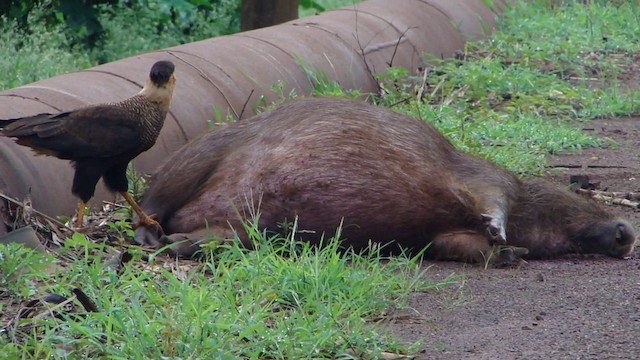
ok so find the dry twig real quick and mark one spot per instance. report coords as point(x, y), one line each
point(618, 198)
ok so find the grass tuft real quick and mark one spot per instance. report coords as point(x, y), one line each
point(283, 300)
point(522, 93)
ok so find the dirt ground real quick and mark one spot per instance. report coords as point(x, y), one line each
point(577, 307)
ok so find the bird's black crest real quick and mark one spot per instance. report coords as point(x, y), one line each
point(161, 72)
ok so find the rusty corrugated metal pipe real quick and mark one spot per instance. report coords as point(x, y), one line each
point(235, 72)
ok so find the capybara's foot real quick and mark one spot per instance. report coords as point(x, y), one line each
point(506, 256)
point(184, 244)
point(149, 235)
point(180, 244)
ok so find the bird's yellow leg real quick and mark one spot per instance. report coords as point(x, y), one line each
point(82, 206)
point(144, 218)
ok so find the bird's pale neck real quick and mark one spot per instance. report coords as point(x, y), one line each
point(159, 94)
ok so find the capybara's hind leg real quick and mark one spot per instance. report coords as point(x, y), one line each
point(464, 245)
point(471, 246)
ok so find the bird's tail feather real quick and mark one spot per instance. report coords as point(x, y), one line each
point(17, 127)
point(5, 122)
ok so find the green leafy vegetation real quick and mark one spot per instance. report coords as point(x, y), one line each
point(38, 53)
point(41, 39)
point(284, 300)
point(141, 27)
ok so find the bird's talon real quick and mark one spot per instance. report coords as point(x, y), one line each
point(150, 223)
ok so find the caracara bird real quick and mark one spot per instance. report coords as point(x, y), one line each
point(101, 140)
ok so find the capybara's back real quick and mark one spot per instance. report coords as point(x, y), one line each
point(326, 162)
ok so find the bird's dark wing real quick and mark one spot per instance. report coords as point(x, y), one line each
point(93, 132)
point(6, 122)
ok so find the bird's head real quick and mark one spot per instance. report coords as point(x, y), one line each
point(160, 84)
point(162, 72)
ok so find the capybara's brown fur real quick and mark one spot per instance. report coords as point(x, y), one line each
point(385, 176)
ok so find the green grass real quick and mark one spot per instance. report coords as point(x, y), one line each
point(284, 300)
point(467, 104)
point(521, 94)
point(21, 269)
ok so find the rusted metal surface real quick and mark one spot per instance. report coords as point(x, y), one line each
point(469, 17)
point(234, 73)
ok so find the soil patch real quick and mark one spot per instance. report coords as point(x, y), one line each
point(576, 307)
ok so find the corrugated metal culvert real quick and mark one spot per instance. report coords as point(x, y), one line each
point(232, 72)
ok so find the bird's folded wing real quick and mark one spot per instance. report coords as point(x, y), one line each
point(10, 126)
point(93, 132)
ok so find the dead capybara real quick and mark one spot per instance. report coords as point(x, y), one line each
point(384, 176)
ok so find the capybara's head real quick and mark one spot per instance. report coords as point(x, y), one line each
point(550, 220)
point(614, 238)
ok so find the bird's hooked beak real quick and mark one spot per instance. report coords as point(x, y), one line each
point(172, 81)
